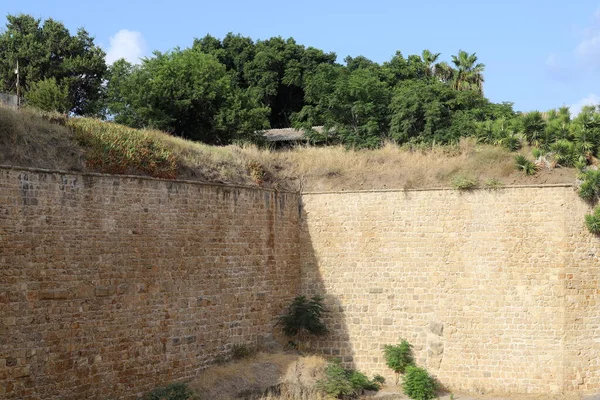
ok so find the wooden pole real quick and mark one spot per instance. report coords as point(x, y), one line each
point(18, 87)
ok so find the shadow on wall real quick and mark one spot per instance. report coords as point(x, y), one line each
point(336, 343)
point(481, 283)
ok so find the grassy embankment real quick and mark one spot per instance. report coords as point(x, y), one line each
point(82, 144)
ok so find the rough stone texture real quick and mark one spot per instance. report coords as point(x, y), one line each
point(497, 290)
point(111, 286)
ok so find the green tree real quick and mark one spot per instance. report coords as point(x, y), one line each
point(429, 59)
point(274, 69)
point(48, 50)
point(400, 69)
point(186, 92)
point(398, 357)
point(47, 95)
point(469, 73)
point(353, 104)
point(304, 315)
point(427, 111)
point(534, 127)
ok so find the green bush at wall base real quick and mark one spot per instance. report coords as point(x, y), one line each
point(418, 384)
point(175, 391)
point(340, 382)
point(398, 357)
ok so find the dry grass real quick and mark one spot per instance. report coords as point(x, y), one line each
point(29, 140)
point(394, 167)
point(265, 376)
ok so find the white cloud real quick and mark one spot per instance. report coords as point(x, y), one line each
point(126, 44)
point(589, 48)
point(591, 100)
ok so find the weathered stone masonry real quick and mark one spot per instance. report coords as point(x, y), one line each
point(498, 290)
point(110, 286)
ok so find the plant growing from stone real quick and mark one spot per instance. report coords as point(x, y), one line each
point(590, 187)
point(398, 357)
point(418, 384)
point(592, 221)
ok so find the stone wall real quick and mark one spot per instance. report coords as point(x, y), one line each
point(498, 291)
point(111, 286)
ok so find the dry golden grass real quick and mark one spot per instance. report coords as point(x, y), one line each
point(396, 167)
point(28, 140)
point(264, 376)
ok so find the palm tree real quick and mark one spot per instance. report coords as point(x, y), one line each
point(469, 74)
point(429, 59)
point(444, 72)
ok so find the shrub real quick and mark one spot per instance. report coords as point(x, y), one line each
point(175, 391)
point(336, 382)
point(304, 315)
point(493, 184)
point(340, 382)
point(461, 182)
point(398, 357)
point(590, 188)
point(592, 221)
point(564, 152)
point(418, 384)
point(379, 379)
point(240, 351)
point(360, 382)
point(47, 95)
point(512, 142)
point(523, 164)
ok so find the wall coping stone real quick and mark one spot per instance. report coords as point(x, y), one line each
point(142, 177)
point(443, 189)
point(232, 185)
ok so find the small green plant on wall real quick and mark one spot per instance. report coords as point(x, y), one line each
point(589, 190)
point(592, 221)
point(398, 357)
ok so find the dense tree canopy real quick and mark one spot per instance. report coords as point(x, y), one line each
point(185, 92)
point(220, 90)
point(49, 51)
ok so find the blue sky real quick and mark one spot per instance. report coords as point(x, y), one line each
point(538, 54)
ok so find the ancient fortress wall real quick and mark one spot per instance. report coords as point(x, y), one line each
point(497, 290)
point(110, 286)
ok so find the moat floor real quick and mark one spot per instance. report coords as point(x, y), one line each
point(394, 393)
